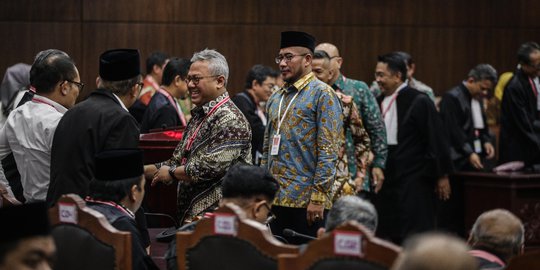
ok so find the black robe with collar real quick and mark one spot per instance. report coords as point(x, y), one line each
point(160, 114)
point(94, 125)
point(520, 122)
point(405, 202)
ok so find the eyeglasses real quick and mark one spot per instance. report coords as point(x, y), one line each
point(196, 79)
point(269, 85)
point(332, 57)
point(288, 57)
point(79, 85)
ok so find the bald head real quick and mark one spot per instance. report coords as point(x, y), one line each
point(335, 59)
point(498, 230)
point(435, 251)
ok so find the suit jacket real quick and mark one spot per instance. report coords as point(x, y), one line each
point(247, 105)
point(159, 114)
point(94, 125)
point(520, 122)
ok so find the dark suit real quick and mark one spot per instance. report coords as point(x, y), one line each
point(159, 114)
point(520, 122)
point(247, 105)
point(94, 125)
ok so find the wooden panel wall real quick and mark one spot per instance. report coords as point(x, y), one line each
point(446, 38)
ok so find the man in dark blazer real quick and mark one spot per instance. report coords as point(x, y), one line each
point(99, 123)
point(418, 157)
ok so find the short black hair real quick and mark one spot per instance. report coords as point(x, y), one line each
point(320, 54)
point(525, 50)
point(259, 73)
point(395, 63)
point(112, 190)
point(246, 181)
point(406, 57)
point(176, 66)
point(49, 68)
point(155, 58)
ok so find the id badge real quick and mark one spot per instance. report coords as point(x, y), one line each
point(275, 144)
point(477, 146)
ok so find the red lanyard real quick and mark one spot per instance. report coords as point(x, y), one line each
point(173, 103)
point(389, 105)
point(38, 100)
point(113, 204)
point(191, 138)
point(533, 85)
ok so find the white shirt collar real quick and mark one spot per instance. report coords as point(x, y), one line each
point(61, 109)
point(121, 103)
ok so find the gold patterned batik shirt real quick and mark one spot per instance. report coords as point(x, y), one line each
point(305, 165)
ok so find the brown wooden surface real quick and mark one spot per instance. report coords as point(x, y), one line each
point(374, 250)
point(251, 231)
point(446, 38)
point(516, 192)
point(529, 260)
point(97, 224)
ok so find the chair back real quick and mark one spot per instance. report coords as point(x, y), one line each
point(84, 238)
point(228, 240)
point(349, 246)
point(528, 260)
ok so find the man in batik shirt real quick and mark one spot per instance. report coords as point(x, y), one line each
point(217, 135)
point(301, 139)
point(371, 117)
point(345, 183)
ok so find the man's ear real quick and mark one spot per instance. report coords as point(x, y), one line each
point(309, 59)
point(156, 69)
point(64, 88)
point(253, 83)
point(339, 61)
point(220, 81)
point(132, 192)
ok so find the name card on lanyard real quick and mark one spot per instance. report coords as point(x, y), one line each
point(276, 139)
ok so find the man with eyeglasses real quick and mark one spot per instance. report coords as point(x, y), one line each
point(302, 139)
point(217, 136)
point(259, 84)
point(520, 110)
point(371, 118)
point(29, 129)
point(99, 123)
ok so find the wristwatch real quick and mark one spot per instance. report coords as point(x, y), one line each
point(172, 168)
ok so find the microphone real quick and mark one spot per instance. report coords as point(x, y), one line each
point(291, 233)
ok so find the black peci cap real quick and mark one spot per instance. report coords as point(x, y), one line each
point(295, 38)
point(119, 64)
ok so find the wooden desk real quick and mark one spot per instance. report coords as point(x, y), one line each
point(517, 192)
point(157, 147)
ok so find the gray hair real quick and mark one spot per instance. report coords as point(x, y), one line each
point(217, 64)
point(483, 72)
point(498, 230)
point(349, 208)
point(120, 88)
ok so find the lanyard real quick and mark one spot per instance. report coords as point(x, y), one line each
point(285, 112)
point(174, 104)
point(38, 100)
point(191, 138)
point(533, 85)
point(389, 105)
point(113, 204)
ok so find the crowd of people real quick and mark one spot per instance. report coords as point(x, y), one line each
point(325, 148)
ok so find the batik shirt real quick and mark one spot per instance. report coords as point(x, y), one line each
point(305, 165)
point(344, 184)
point(224, 136)
point(372, 120)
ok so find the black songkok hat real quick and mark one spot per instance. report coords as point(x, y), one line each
point(119, 164)
point(119, 64)
point(24, 221)
point(295, 38)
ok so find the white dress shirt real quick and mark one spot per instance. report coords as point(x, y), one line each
point(28, 133)
point(389, 109)
point(476, 110)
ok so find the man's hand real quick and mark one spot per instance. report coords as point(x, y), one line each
point(314, 213)
point(359, 182)
point(378, 178)
point(162, 175)
point(475, 161)
point(490, 150)
point(149, 171)
point(443, 188)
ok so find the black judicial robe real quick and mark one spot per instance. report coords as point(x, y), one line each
point(94, 125)
point(520, 122)
point(456, 114)
point(159, 114)
point(405, 202)
point(123, 222)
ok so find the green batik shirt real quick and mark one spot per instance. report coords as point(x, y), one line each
point(372, 120)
